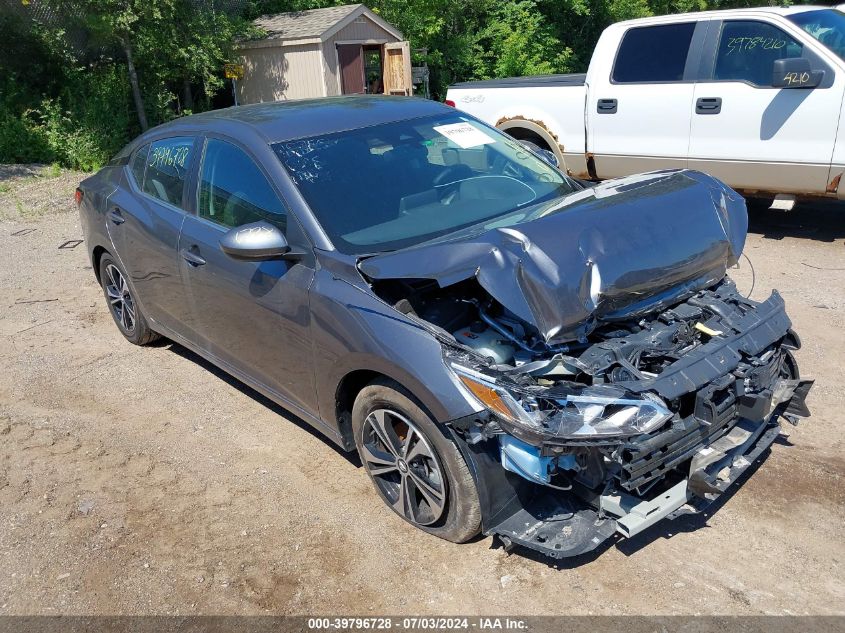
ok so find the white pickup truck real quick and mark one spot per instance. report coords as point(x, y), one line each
point(751, 96)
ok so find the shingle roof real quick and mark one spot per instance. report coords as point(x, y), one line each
point(303, 24)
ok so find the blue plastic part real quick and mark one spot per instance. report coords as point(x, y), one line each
point(524, 459)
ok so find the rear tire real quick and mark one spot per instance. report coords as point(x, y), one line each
point(433, 490)
point(120, 299)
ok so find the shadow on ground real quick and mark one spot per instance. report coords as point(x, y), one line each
point(822, 221)
point(286, 415)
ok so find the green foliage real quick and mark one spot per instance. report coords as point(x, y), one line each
point(22, 140)
point(518, 41)
point(82, 128)
point(67, 94)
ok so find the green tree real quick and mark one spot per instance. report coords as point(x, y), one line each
point(191, 47)
point(123, 23)
point(518, 41)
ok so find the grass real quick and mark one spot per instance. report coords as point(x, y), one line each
point(28, 192)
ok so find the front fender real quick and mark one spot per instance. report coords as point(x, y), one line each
point(354, 331)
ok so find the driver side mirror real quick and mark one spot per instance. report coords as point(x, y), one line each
point(257, 242)
point(795, 72)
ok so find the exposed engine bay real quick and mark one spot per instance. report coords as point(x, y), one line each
point(628, 413)
point(622, 379)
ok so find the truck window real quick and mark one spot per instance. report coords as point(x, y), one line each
point(650, 54)
point(748, 50)
point(826, 25)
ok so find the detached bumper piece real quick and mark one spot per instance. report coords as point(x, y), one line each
point(562, 524)
point(558, 525)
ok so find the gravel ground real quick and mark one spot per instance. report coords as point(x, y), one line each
point(143, 480)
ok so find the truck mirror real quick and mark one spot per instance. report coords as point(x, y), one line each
point(795, 72)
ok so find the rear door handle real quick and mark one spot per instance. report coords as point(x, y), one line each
point(708, 105)
point(115, 216)
point(192, 256)
point(606, 106)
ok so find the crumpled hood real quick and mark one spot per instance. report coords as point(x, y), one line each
point(614, 251)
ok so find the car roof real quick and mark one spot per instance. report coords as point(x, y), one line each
point(782, 11)
point(286, 120)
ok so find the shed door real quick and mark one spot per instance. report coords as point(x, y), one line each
point(397, 69)
point(351, 68)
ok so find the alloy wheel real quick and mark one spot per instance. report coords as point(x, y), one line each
point(404, 466)
point(120, 299)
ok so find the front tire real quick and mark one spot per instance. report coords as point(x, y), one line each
point(415, 467)
point(120, 299)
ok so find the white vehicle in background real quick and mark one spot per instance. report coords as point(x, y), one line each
point(751, 96)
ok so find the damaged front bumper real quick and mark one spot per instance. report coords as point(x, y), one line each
point(566, 523)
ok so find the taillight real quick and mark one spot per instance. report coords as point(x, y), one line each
point(449, 103)
point(78, 195)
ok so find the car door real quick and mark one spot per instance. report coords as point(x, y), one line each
point(253, 317)
point(752, 135)
point(144, 219)
point(638, 115)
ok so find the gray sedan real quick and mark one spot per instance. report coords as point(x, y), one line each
point(509, 350)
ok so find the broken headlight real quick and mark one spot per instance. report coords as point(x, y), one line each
point(570, 412)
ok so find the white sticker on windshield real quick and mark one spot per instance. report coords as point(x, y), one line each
point(465, 135)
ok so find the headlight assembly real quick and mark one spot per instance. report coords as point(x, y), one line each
point(577, 412)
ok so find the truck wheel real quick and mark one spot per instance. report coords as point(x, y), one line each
point(416, 469)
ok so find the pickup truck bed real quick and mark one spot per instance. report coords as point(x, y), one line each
point(574, 79)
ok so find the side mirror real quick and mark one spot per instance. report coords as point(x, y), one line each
point(795, 72)
point(256, 242)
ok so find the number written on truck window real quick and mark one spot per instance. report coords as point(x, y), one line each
point(748, 50)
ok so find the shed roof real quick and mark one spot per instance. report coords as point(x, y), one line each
point(316, 24)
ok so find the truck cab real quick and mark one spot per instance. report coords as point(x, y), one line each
point(751, 96)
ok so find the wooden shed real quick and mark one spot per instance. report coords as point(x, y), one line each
point(324, 52)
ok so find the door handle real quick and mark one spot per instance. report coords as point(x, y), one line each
point(192, 256)
point(606, 106)
point(708, 105)
point(115, 216)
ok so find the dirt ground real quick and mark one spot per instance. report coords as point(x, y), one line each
point(142, 480)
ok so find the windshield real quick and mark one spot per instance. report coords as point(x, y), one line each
point(825, 25)
point(394, 185)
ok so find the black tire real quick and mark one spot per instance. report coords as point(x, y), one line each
point(125, 311)
point(461, 513)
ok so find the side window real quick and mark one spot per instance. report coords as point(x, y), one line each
point(233, 190)
point(139, 164)
point(168, 161)
point(748, 50)
point(650, 54)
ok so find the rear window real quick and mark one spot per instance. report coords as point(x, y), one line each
point(652, 54)
point(167, 165)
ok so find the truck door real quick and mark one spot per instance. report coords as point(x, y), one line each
point(752, 135)
point(638, 113)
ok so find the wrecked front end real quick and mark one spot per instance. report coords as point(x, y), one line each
point(649, 422)
point(620, 376)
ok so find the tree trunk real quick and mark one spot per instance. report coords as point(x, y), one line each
point(136, 88)
point(187, 95)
